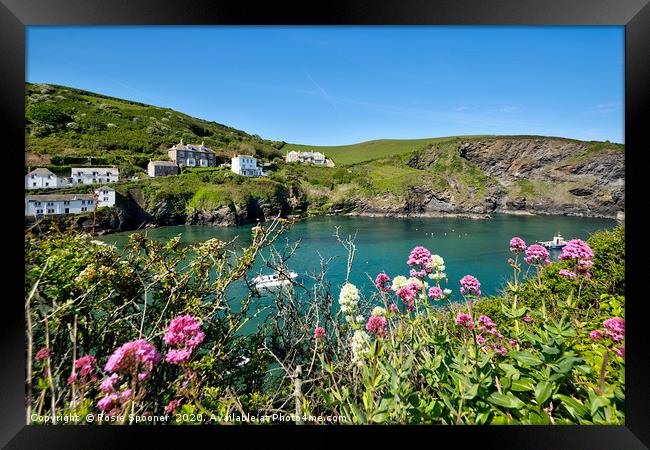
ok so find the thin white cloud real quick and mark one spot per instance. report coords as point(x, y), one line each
point(328, 97)
point(605, 108)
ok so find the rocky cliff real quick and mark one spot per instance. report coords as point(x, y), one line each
point(512, 175)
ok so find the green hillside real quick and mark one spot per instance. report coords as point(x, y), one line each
point(383, 148)
point(66, 126)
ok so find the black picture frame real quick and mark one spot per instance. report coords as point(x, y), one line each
point(15, 15)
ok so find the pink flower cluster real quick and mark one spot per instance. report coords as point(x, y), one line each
point(377, 325)
point(436, 293)
point(42, 354)
point(537, 254)
point(184, 332)
point(490, 337)
point(419, 256)
point(85, 366)
point(319, 333)
point(137, 356)
point(133, 356)
point(517, 245)
point(614, 333)
point(114, 402)
point(172, 406)
point(465, 320)
point(408, 294)
point(382, 282)
point(567, 273)
point(581, 254)
point(615, 328)
point(470, 286)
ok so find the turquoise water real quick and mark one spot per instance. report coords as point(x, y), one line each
point(476, 247)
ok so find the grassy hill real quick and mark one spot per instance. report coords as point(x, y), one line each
point(67, 126)
point(384, 148)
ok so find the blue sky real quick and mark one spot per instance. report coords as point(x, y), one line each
point(341, 85)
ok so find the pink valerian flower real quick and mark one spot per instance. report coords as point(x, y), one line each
point(382, 282)
point(537, 254)
point(513, 342)
point(526, 319)
point(108, 385)
point(42, 354)
point(377, 325)
point(108, 402)
point(620, 351)
point(172, 406)
point(72, 379)
point(480, 339)
point(615, 328)
point(419, 256)
point(184, 332)
point(470, 286)
point(517, 245)
point(407, 294)
point(182, 329)
point(418, 273)
point(501, 351)
point(581, 254)
point(176, 356)
point(133, 355)
point(465, 320)
point(436, 293)
point(485, 320)
point(578, 250)
point(596, 335)
point(393, 308)
point(565, 273)
point(85, 364)
point(319, 333)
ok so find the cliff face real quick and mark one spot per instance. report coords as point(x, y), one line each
point(515, 175)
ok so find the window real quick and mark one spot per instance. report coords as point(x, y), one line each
point(50, 204)
point(105, 199)
point(37, 203)
point(33, 176)
point(50, 211)
point(83, 208)
point(47, 184)
point(34, 184)
point(39, 211)
point(66, 202)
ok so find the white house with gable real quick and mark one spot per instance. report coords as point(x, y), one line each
point(43, 179)
point(49, 204)
point(309, 157)
point(105, 196)
point(246, 166)
point(92, 175)
point(62, 204)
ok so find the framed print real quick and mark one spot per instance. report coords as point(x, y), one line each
point(397, 215)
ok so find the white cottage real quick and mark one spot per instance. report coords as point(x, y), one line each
point(43, 179)
point(105, 196)
point(309, 157)
point(246, 166)
point(92, 175)
point(51, 204)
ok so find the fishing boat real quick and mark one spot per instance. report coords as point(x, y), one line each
point(274, 281)
point(557, 243)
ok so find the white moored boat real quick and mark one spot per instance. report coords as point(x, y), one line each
point(557, 242)
point(274, 281)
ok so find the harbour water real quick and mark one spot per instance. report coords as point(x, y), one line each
point(476, 247)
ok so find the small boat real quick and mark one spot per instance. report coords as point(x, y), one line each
point(557, 243)
point(274, 281)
